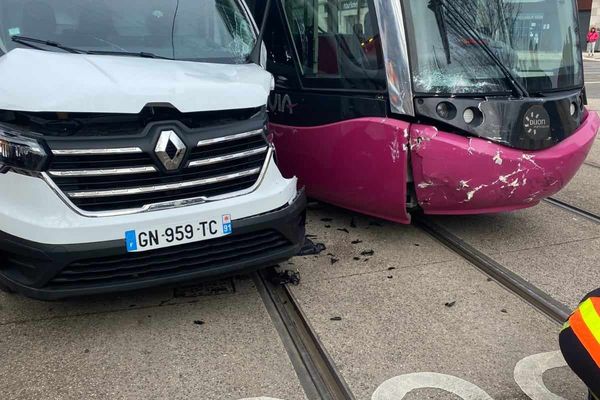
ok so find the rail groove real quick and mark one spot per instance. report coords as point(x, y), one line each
point(316, 370)
point(574, 210)
point(513, 282)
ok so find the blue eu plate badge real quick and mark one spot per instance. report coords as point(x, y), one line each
point(227, 228)
point(131, 241)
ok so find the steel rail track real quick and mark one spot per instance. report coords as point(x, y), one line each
point(316, 370)
point(513, 282)
point(573, 209)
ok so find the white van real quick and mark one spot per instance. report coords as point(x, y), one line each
point(133, 147)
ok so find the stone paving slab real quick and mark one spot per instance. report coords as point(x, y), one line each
point(584, 190)
point(532, 228)
point(359, 244)
point(218, 347)
point(444, 318)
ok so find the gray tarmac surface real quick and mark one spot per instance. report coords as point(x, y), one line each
point(147, 345)
point(395, 313)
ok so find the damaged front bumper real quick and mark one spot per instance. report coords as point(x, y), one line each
point(459, 175)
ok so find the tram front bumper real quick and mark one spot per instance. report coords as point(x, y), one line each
point(457, 175)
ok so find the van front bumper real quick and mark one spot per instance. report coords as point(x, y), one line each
point(51, 271)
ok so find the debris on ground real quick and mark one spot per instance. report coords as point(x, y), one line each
point(356, 258)
point(390, 276)
point(504, 311)
point(335, 318)
point(311, 236)
point(391, 268)
point(334, 260)
point(417, 244)
point(327, 226)
point(367, 253)
point(198, 322)
point(450, 304)
point(343, 230)
point(311, 248)
point(326, 219)
point(285, 277)
point(356, 241)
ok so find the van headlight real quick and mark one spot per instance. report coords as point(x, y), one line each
point(20, 152)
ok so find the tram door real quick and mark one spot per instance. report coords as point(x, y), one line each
point(329, 109)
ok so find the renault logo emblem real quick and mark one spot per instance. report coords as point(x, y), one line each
point(170, 150)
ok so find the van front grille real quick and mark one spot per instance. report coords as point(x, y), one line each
point(101, 179)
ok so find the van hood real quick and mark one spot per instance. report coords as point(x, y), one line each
point(44, 81)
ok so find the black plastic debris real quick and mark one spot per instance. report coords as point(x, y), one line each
point(311, 248)
point(356, 258)
point(287, 277)
point(311, 236)
point(390, 277)
point(198, 322)
point(356, 241)
point(489, 279)
point(504, 311)
point(417, 244)
point(343, 230)
point(327, 226)
point(352, 223)
point(391, 268)
point(334, 260)
point(335, 318)
point(450, 304)
point(86, 351)
point(367, 253)
point(326, 219)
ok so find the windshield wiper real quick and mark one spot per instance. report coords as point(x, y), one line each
point(440, 16)
point(466, 26)
point(28, 40)
point(142, 54)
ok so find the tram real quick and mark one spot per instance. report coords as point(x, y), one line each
point(451, 107)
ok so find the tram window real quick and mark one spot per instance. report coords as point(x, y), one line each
point(337, 43)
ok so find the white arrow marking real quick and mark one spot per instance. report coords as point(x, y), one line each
point(398, 387)
point(529, 374)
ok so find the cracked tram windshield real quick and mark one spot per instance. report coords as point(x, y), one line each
point(480, 46)
point(210, 31)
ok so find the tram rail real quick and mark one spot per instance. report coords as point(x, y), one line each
point(574, 209)
point(316, 370)
point(511, 281)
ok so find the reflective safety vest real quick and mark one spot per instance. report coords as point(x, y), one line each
point(580, 341)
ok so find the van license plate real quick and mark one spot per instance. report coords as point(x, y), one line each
point(172, 235)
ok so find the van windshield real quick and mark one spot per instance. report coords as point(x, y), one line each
point(192, 30)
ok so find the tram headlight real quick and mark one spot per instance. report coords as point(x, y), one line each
point(472, 116)
point(573, 110)
point(469, 116)
point(446, 110)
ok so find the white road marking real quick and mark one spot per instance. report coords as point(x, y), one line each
point(529, 374)
point(398, 387)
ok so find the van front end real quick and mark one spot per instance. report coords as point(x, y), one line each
point(124, 170)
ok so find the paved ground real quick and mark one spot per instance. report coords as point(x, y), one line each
point(401, 304)
point(147, 345)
